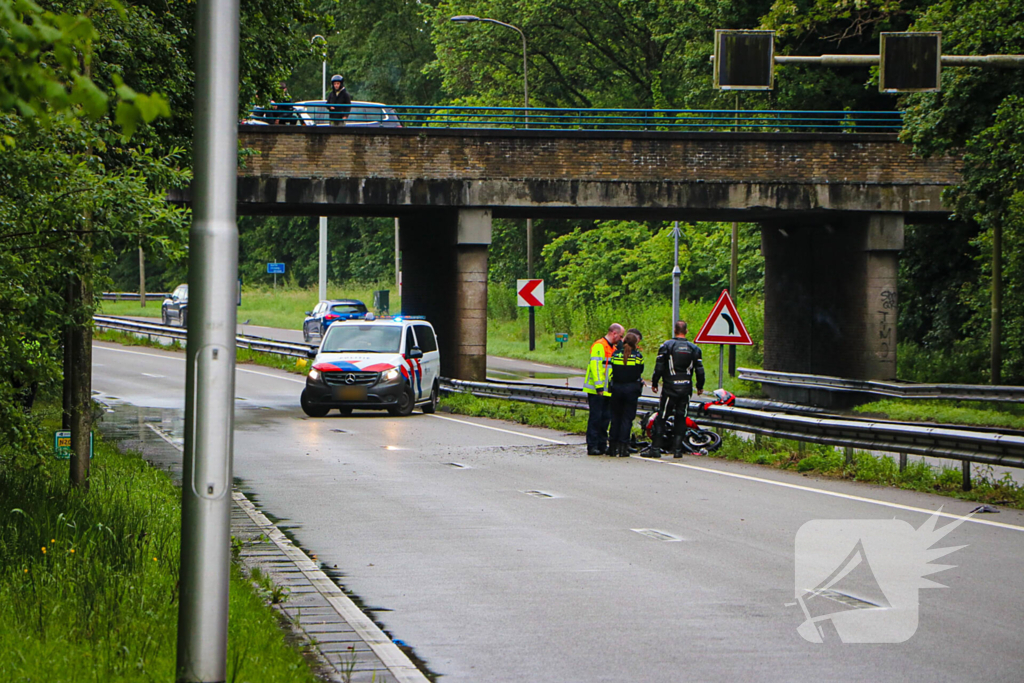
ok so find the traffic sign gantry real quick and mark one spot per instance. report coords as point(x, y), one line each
point(723, 326)
point(530, 292)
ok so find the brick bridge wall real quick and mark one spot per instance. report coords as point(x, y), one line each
point(558, 172)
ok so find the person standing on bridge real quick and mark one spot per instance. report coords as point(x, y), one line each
point(338, 98)
point(627, 367)
point(596, 384)
point(678, 361)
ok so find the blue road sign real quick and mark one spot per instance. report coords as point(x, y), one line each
point(275, 268)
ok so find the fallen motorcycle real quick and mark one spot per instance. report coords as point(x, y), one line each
point(696, 438)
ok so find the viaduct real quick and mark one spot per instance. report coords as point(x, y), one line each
point(831, 207)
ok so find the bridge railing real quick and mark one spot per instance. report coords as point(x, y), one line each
point(519, 118)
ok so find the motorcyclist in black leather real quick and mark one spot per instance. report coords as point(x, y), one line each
point(679, 360)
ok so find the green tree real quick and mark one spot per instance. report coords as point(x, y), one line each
point(978, 113)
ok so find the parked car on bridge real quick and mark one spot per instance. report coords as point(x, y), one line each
point(330, 311)
point(176, 307)
point(384, 364)
point(317, 113)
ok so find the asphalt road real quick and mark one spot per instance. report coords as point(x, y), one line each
point(499, 554)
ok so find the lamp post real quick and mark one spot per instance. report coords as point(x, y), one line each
point(676, 274)
point(322, 289)
point(469, 19)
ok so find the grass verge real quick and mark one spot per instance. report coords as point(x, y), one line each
point(985, 414)
point(284, 307)
point(778, 453)
point(89, 580)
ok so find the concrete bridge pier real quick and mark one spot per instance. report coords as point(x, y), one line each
point(444, 277)
point(831, 300)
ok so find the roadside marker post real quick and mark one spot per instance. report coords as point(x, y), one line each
point(210, 369)
point(722, 327)
point(530, 293)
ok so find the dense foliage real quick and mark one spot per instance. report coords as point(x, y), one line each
point(77, 77)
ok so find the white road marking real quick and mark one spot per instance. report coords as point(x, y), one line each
point(498, 429)
point(834, 494)
point(178, 358)
point(140, 353)
point(146, 374)
point(393, 658)
point(264, 374)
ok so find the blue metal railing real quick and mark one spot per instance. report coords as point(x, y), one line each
point(518, 118)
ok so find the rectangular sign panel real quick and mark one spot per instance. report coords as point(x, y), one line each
point(275, 269)
point(530, 292)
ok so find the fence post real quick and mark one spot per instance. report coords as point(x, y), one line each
point(965, 466)
point(849, 454)
point(903, 462)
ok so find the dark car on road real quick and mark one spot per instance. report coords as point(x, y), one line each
point(176, 307)
point(330, 311)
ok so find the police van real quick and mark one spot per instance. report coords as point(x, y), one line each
point(374, 364)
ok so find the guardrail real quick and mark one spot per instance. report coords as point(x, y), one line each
point(133, 296)
point(967, 445)
point(519, 118)
point(243, 341)
point(767, 418)
point(956, 392)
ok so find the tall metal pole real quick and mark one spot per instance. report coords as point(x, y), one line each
point(142, 276)
point(676, 275)
point(210, 373)
point(733, 268)
point(529, 275)
point(398, 261)
point(322, 266)
point(323, 259)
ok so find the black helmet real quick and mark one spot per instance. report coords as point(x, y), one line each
point(336, 78)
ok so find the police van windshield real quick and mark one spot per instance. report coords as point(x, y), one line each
point(346, 338)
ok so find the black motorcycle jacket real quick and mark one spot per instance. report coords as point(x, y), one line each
point(678, 362)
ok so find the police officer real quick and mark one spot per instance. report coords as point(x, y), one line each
point(627, 369)
point(678, 361)
point(338, 96)
point(597, 386)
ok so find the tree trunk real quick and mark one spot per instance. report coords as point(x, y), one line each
point(69, 292)
point(81, 383)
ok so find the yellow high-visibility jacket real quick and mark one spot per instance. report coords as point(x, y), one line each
point(597, 380)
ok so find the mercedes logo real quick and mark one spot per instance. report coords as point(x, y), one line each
point(350, 379)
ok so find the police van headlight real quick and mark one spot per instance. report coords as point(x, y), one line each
point(314, 374)
point(391, 375)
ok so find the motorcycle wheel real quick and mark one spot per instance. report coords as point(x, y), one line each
point(702, 439)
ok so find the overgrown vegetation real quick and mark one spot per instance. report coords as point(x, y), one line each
point(89, 580)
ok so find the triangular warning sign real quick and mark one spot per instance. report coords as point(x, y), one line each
point(724, 326)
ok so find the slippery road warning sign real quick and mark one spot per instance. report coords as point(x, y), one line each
point(723, 326)
point(530, 292)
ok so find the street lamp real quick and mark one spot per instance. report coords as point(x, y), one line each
point(469, 19)
point(322, 288)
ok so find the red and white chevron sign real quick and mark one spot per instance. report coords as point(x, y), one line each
point(531, 292)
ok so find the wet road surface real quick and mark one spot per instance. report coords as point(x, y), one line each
point(500, 554)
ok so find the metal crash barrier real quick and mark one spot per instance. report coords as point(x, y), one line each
point(954, 392)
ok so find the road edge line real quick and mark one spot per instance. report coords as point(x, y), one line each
point(400, 666)
point(396, 661)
